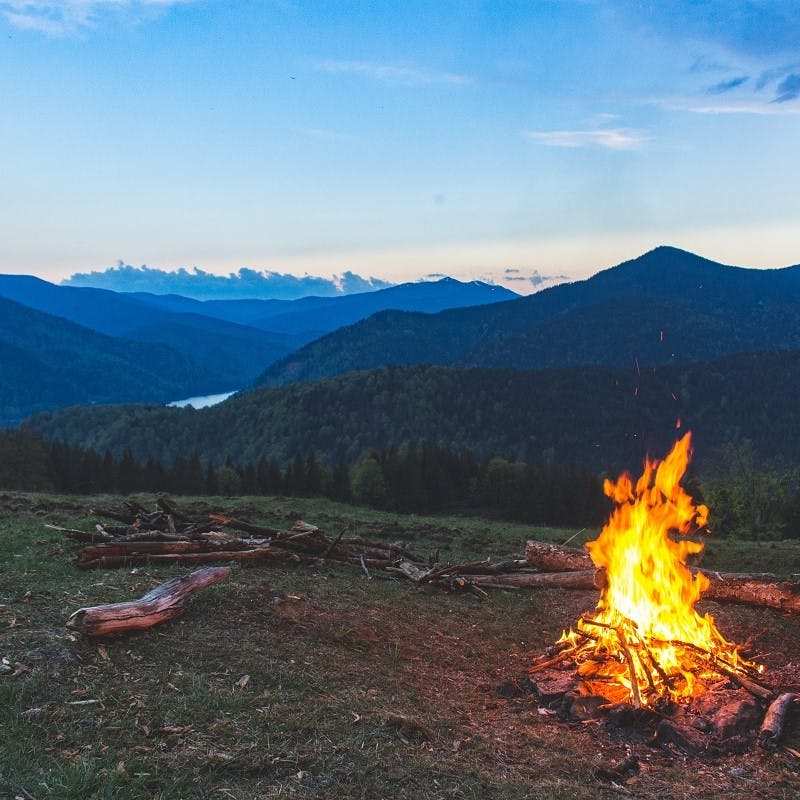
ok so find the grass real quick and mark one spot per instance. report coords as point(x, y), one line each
point(281, 681)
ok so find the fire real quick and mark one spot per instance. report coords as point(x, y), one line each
point(645, 642)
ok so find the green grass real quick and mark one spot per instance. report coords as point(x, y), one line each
point(279, 681)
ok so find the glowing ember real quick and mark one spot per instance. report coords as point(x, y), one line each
point(645, 642)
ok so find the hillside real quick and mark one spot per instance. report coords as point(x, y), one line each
point(704, 309)
point(50, 362)
point(596, 417)
point(234, 353)
point(236, 339)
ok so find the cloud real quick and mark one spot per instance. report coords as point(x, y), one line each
point(603, 138)
point(393, 73)
point(788, 89)
point(323, 134)
point(65, 17)
point(726, 86)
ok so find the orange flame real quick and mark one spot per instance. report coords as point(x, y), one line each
point(645, 642)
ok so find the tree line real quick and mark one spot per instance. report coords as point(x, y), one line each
point(749, 498)
point(418, 477)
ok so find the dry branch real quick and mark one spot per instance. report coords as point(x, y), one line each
point(162, 603)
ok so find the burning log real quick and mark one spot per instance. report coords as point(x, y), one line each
point(163, 603)
point(747, 588)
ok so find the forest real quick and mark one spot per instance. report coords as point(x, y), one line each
point(601, 418)
point(749, 499)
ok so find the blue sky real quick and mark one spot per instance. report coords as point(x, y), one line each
point(397, 139)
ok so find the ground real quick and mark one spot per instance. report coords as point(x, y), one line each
point(319, 681)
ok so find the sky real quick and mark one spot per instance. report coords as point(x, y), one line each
point(483, 140)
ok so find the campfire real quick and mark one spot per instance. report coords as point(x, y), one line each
point(645, 643)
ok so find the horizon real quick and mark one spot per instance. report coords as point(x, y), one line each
point(552, 138)
point(349, 282)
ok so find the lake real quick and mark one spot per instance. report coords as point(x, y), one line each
point(201, 402)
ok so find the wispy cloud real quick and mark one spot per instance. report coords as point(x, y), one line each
point(65, 17)
point(788, 89)
point(603, 138)
point(727, 86)
point(322, 134)
point(407, 74)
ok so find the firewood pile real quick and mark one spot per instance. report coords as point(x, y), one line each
point(167, 535)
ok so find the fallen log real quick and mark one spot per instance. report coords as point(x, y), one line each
point(163, 603)
point(585, 579)
point(775, 718)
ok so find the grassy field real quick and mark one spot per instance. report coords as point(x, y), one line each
point(283, 681)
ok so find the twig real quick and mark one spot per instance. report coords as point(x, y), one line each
point(550, 662)
point(637, 700)
point(363, 565)
point(573, 536)
point(334, 543)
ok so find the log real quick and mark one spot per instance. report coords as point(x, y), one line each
point(240, 525)
point(557, 558)
point(772, 727)
point(130, 560)
point(760, 589)
point(584, 579)
point(163, 603)
point(782, 595)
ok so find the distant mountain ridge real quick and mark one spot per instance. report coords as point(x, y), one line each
point(667, 305)
point(233, 353)
point(48, 362)
point(227, 347)
point(244, 284)
point(325, 314)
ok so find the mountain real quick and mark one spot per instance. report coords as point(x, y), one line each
point(667, 305)
point(236, 339)
point(201, 285)
point(233, 353)
point(49, 362)
point(324, 314)
point(601, 418)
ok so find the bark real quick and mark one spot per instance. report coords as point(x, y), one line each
point(772, 727)
point(162, 603)
point(557, 558)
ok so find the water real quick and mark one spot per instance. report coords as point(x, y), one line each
point(201, 402)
